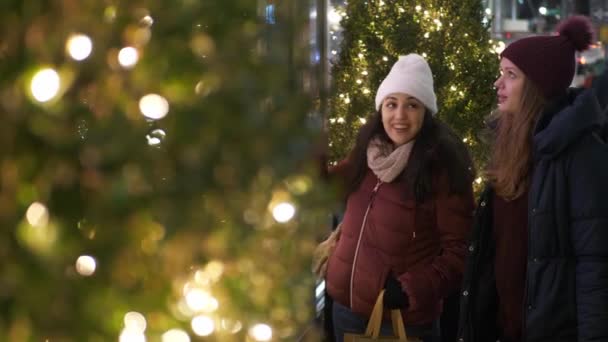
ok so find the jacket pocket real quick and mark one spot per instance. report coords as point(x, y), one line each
point(551, 302)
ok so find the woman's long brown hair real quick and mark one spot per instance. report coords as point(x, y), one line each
point(511, 158)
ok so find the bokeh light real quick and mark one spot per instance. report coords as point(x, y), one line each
point(135, 321)
point(203, 325)
point(156, 137)
point(154, 106)
point(261, 332)
point(175, 335)
point(86, 265)
point(283, 212)
point(128, 335)
point(128, 57)
point(201, 300)
point(37, 215)
point(45, 85)
point(230, 325)
point(79, 46)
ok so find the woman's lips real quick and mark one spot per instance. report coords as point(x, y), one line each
point(401, 128)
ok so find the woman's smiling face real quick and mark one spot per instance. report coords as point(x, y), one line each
point(402, 117)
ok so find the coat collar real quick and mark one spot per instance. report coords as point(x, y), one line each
point(565, 120)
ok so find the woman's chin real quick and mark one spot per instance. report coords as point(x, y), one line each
point(503, 107)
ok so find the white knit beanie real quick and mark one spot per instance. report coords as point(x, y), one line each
point(412, 75)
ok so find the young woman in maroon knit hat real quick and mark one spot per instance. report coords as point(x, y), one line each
point(538, 260)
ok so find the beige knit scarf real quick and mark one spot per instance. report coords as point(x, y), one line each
point(386, 161)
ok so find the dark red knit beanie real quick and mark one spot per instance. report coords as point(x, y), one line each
point(549, 60)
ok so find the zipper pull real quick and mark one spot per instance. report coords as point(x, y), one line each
point(377, 186)
point(374, 191)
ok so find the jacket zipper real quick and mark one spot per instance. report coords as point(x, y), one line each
point(352, 271)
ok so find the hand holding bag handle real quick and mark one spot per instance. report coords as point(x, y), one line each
point(375, 321)
point(372, 333)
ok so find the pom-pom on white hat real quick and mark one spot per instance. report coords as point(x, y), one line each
point(411, 75)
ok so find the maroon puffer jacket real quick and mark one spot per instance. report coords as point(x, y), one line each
point(384, 231)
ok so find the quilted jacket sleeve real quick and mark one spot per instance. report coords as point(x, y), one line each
point(454, 214)
point(588, 187)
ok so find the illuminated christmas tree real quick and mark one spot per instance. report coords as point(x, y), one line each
point(153, 181)
point(452, 35)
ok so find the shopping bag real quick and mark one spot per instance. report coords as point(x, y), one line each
point(372, 333)
point(323, 252)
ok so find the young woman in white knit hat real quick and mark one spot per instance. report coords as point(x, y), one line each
point(409, 202)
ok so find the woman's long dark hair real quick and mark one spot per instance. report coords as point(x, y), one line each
point(436, 149)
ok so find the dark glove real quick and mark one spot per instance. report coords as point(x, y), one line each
point(394, 296)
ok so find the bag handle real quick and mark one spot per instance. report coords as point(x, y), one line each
point(398, 328)
point(375, 320)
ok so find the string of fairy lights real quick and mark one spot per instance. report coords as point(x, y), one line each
point(432, 21)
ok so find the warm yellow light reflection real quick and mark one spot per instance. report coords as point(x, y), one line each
point(175, 335)
point(195, 299)
point(147, 21)
point(128, 57)
point(200, 300)
point(231, 326)
point(202, 277)
point(134, 321)
point(45, 85)
point(203, 325)
point(40, 238)
point(79, 46)
point(154, 106)
point(283, 212)
point(156, 137)
point(479, 180)
point(110, 13)
point(215, 269)
point(37, 215)
point(500, 47)
point(261, 332)
point(183, 308)
point(85, 265)
point(128, 335)
point(299, 185)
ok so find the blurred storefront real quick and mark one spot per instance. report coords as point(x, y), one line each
point(514, 19)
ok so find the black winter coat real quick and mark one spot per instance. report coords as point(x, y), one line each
point(566, 295)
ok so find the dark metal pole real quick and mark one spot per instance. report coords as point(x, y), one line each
point(323, 65)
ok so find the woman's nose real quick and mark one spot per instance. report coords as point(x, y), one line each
point(402, 111)
point(498, 82)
